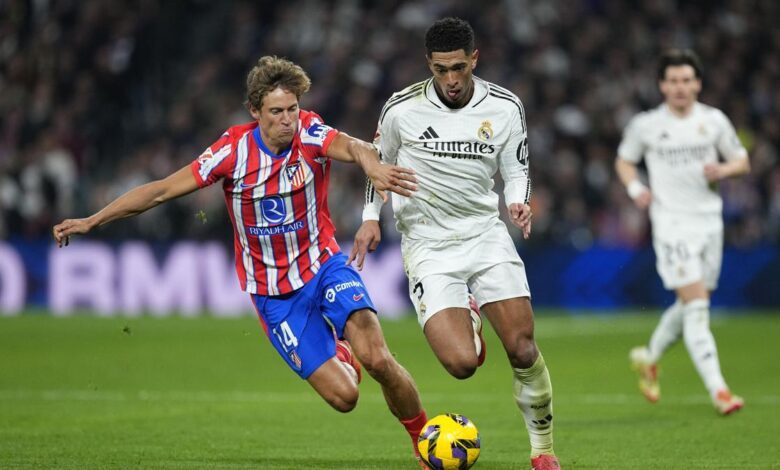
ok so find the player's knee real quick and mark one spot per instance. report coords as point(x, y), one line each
point(461, 367)
point(524, 353)
point(378, 364)
point(344, 400)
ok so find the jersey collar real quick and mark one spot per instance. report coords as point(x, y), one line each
point(480, 92)
point(263, 148)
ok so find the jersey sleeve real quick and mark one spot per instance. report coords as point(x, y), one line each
point(387, 142)
point(631, 148)
point(215, 162)
point(729, 145)
point(316, 136)
point(513, 163)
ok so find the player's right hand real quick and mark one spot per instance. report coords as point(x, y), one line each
point(392, 178)
point(521, 216)
point(644, 199)
point(367, 239)
point(68, 227)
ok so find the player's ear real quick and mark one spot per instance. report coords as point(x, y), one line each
point(474, 58)
point(253, 111)
point(429, 62)
point(697, 87)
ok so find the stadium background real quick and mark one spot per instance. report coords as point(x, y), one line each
point(97, 97)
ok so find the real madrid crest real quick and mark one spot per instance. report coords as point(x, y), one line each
point(485, 132)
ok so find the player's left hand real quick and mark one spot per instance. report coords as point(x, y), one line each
point(68, 227)
point(714, 172)
point(367, 239)
point(521, 216)
point(392, 178)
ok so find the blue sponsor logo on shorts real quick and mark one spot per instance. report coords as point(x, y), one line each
point(330, 294)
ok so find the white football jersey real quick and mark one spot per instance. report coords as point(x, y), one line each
point(675, 150)
point(455, 153)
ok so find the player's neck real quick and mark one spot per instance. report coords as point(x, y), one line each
point(681, 111)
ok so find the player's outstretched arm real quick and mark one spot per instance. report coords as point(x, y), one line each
point(133, 202)
point(384, 177)
point(629, 176)
point(367, 239)
point(718, 171)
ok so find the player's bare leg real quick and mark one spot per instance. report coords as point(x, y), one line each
point(364, 333)
point(702, 348)
point(514, 324)
point(336, 385)
point(450, 333)
point(644, 359)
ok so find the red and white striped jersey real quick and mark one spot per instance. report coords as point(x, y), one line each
point(278, 204)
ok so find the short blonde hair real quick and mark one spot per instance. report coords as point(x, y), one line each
point(273, 72)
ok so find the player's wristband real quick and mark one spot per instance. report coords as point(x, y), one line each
point(370, 213)
point(635, 188)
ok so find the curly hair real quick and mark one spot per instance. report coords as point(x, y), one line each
point(449, 34)
point(273, 72)
point(674, 57)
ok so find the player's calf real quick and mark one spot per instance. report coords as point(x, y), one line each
point(476, 322)
point(344, 354)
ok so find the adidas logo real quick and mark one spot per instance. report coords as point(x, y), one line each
point(429, 134)
point(664, 136)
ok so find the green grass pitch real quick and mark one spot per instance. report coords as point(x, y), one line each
point(204, 393)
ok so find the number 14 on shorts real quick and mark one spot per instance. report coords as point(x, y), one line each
point(285, 336)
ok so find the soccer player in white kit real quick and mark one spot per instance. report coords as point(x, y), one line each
point(680, 141)
point(455, 131)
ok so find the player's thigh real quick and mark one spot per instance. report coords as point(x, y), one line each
point(334, 384)
point(297, 330)
point(451, 336)
point(364, 333)
point(679, 259)
point(513, 321)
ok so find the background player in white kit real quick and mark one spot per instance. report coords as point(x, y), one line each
point(455, 131)
point(680, 141)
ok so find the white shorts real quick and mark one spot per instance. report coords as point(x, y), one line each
point(442, 273)
point(686, 253)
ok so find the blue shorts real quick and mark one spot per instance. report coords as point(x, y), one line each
point(300, 324)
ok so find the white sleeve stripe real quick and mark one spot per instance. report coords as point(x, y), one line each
point(210, 164)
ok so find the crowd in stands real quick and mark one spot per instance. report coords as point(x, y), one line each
point(98, 96)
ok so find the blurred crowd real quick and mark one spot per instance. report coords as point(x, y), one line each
point(99, 96)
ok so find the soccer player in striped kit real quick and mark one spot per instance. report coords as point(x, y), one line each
point(680, 141)
point(311, 303)
point(456, 131)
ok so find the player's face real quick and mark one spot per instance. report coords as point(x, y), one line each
point(278, 119)
point(680, 86)
point(452, 74)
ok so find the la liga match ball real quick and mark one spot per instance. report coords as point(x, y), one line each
point(449, 442)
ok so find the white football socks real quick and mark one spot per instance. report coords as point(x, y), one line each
point(533, 394)
point(701, 344)
point(668, 331)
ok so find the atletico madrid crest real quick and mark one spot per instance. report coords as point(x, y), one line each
point(296, 359)
point(296, 173)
